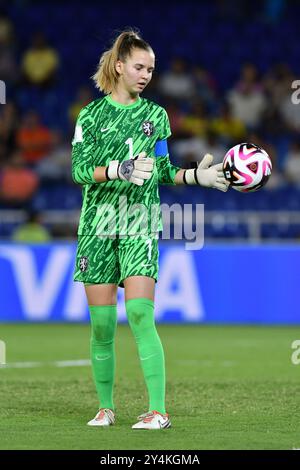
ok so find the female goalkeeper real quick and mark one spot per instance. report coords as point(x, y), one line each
point(120, 156)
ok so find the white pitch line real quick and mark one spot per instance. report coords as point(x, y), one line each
point(78, 363)
point(30, 365)
point(21, 365)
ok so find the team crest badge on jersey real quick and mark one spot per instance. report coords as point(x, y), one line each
point(148, 128)
point(83, 263)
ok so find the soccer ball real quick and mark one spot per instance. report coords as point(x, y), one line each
point(247, 167)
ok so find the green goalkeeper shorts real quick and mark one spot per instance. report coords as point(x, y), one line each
point(110, 261)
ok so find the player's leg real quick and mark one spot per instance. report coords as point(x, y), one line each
point(139, 297)
point(139, 280)
point(101, 294)
point(139, 287)
point(97, 268)
point(103, 314)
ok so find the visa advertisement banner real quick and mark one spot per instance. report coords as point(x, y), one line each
point(217, 284)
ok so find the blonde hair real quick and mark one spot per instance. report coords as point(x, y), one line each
point(106, 76)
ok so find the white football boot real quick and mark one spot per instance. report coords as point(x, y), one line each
point(152, 420)
point(104, 417)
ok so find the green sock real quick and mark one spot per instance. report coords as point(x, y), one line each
point(140, 314)
point(103, 322)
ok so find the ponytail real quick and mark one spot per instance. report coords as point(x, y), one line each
point(106, 76)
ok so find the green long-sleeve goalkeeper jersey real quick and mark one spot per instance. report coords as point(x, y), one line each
point(105, 131)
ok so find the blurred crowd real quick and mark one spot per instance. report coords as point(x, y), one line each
point(36, 131)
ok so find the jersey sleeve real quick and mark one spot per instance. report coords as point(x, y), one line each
point(166, 170)
point(83, 149)
point(165, 130)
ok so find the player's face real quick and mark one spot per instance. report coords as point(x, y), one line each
point(136, 72)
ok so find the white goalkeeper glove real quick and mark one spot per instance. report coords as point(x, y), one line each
point(207, 175)
point(135, 170)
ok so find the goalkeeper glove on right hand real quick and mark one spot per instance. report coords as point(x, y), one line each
point(135, 170)
point(207, 175)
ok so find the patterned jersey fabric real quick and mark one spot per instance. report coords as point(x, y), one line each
point(105, 131)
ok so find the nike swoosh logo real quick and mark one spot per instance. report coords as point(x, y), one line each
point(148, 357)
point(98, 358)
point(106, 129)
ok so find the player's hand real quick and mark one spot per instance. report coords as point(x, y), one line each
point(207, 175)
point(211, 176)
point(135, 170)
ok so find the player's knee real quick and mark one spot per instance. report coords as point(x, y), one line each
point(140, 314)
point(103, 334)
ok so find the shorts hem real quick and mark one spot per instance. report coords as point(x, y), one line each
point(88, 281)
point(121, 282)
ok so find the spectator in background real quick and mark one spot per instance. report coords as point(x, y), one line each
point(205, 87)
point(246, 99)
point(229, 129)
point(175, 116)
point(277, 81)
point(190, 134)
point(194, 137)
point(84, 97)
point(32, 231)
point(8, 66)
point(290, 112)
point(292, 164)
point(40, 62)
point(9, 121)
point(17, 183)
point(212, 144)
point(195, 123)
point(56, 166)
point(3, 154)
point(34, 139)
point(177, 83)
point(278, 84)
point(6, 29)
point(189, 150)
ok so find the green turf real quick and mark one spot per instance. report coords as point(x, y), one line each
point(227, 388)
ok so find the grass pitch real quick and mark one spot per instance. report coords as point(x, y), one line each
point(228, 387)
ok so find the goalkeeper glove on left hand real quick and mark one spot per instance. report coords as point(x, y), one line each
point(206, 175)
point(135, 170)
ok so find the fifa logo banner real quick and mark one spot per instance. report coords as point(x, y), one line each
point(218, 284)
